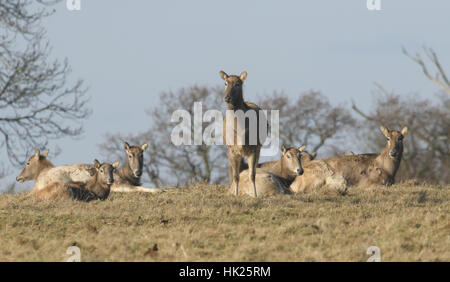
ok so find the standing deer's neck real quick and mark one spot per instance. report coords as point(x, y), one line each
point(387, 163)
point(238, 104)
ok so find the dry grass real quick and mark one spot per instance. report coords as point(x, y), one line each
point(407, 222)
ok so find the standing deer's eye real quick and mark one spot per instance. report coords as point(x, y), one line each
point(130, 156)
point(288, 156)
point(101, 170)
point(28, 163)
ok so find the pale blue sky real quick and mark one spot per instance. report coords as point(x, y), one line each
point(130, 51)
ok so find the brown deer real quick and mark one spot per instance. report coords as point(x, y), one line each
point(274, 177)
point(43, 172)
point(317, 173)
point(128, 177)
point(355, 168)
point(236, 131)
point(96, 188)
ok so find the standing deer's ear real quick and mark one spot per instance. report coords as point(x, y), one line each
point(243, 76)
point(302, 148)
point(37, 153)
point(96, 164)
point(144, 146)
point(379, 170)
point(126, 146)
point(45, 154)
point(404, 131)
point(223, 75)
point(313, 155)
point(283, 149)
point(385, 131)
point(116, 164)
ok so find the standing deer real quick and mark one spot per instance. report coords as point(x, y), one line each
point(274, 177)
point(234, 98)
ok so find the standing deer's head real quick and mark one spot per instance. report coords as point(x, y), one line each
point(233, 87)
point(291, 160)
point(394, 141)
point(135, 157)
point(34, 166)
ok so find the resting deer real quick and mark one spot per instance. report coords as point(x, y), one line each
point(237, 131)
point(355, 168)
point(43, 172)
point(128, 177)
point(274, 177)
point(317, 173)
point(96, 188)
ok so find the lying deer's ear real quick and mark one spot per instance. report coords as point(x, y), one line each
point(313, 155)
point(243, 76)
point(379, 171)
point(116, 164)
point(45, 154)
point(126, 146)
point(283, 149)
point(37, 153)
point(385, 131)
point(96, 164)
point(404, 131)
point(302, 148)
point(223, 75)
point(144, 146)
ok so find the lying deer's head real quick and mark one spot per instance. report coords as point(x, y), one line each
point(135, 157)
point(394, 141)
point(291, 160)
point(34, 166)
point(233, 87)
point(104, 172)
point(307, 157)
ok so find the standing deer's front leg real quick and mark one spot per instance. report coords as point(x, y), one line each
point(252, 162)
point(235, 163)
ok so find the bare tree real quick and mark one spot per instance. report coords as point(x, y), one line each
point(310, 119)
point(37, 101)
point(165, 163)
point(440, 78)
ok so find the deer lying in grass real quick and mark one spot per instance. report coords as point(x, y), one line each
point(355, 170)
point(44, 173)
point(96, 188)
point(274, 177)
point(128, 177)
point(236, 151)
point(317, 173)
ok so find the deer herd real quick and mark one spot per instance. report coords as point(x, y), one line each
point(296, 171)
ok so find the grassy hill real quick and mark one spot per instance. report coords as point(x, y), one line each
point(408, 222)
